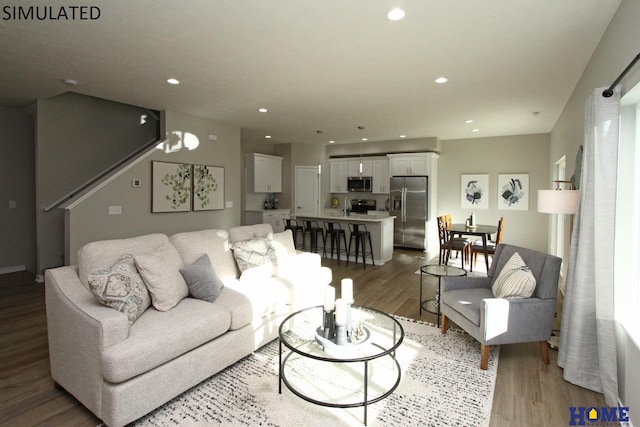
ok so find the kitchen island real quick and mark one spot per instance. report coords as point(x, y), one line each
point(380, 225)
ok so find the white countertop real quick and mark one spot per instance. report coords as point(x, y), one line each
point(352, 217)
point(269, 210)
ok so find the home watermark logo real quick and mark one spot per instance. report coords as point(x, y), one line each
point(50, 13)
point(603, 416)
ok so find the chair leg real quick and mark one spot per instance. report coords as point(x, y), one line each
point(484, 356)
point(443, 324)
point(544, 351)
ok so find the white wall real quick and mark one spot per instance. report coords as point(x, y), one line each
point(522, 154)
point(90, 220)
point(618, 46)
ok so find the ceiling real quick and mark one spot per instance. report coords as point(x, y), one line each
point(328, 66)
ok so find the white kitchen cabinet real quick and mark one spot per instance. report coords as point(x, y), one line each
point(411, 163)
point(339, 172)
point(354, 167)
point(264, 173)
point(380, 175)
point(274, 217)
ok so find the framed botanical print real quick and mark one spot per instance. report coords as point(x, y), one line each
point(208, 188)
point(171, 187)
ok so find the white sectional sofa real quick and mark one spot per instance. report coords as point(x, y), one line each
point(121, 370)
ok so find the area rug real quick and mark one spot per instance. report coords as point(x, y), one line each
point(442, 385)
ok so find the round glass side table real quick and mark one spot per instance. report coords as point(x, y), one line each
point(433, 305)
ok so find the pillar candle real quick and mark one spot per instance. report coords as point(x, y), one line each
point(341, 312)
point(329, 298)
point(347, 290)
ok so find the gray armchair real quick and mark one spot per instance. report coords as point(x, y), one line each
point(469, 302)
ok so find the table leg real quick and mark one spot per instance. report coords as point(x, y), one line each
point(280, 369)
point(438, 299)
point(420, 302)
point(366, 384)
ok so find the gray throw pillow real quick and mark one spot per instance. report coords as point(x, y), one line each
point(202, 281)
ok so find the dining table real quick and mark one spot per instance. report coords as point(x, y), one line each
point(483, 231)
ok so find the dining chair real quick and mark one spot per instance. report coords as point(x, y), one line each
point(458, 244)
point(477, 248)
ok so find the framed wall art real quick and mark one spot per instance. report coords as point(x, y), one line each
point(208, 188)
point(474, 191)
point(513, 191)
point(171, 187)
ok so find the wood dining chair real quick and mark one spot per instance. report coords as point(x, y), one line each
point(477, 248)
point(458, 244)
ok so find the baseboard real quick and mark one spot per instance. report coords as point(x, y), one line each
point(12, 269)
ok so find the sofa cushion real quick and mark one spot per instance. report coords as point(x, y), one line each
point(467, 302)
point(515, 280)
point(266, 296)
point(104, 253)
point(248, 232)
point(283, 244)
point(254, 253)
point(202, 281)
point(239, 305)
point(215, 243)
point(160, 336)
point(121, 287)
point(160, 271)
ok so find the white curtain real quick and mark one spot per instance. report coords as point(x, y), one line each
point(587, 341)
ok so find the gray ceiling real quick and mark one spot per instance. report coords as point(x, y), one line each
point(329, 65)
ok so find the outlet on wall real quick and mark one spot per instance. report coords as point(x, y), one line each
point(115, 210)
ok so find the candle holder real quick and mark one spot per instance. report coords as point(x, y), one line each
point(341, 334)
point(328, 324)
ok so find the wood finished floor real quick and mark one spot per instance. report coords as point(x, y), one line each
point(528, 393)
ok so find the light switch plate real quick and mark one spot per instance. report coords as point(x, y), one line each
point(228, 204)
point(115, 210)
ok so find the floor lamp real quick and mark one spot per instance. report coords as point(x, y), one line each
point(559, 202)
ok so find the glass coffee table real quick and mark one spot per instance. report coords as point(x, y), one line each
point(438, 270)
point(340, 376)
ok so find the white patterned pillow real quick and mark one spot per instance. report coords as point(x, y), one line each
point(121, 287)
point(255, 252)
point(515, 280)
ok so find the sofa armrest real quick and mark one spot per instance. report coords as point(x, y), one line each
point(513, 320)
point(78, 330)
point(304, 262)
point(463, 282)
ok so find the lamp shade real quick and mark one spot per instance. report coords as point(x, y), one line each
point(558, 201)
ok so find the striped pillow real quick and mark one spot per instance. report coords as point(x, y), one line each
point(515, 280)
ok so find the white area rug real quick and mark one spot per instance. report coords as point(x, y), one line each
point(442, 385)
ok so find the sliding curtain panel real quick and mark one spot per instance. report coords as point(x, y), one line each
point(587, 343)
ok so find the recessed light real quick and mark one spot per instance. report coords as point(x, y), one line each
point(403, 136)
point(468, 121)
point(173, 81)
point(332, 142)
point(441, 80)
point(70, 82)
point(475, 130)
point(267, 136)
point(395, 14)
point(262, 110)
point(365, 139)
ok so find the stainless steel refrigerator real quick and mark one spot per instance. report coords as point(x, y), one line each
point(409, 198)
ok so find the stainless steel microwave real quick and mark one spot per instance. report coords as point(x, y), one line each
point(359, 183)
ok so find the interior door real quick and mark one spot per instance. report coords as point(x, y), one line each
point(307, 190)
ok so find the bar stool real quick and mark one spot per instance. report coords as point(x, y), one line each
point(313, 229)
point(360, 233)
point(335, 231)
point(292, 224)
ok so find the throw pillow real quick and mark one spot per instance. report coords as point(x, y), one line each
point(121, 287)
point(160, 271)
point(283, 244)
point(255, 252)
point(202, 281)
point(515, 280)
